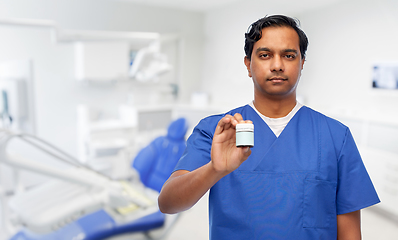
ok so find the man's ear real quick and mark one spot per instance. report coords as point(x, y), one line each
point(302, 64)
point(247, 63)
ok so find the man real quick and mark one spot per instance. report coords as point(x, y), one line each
point(304, 177)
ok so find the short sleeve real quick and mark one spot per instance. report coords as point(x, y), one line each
point(197, 152)
point(355, 189)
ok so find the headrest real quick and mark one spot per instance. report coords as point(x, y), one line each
point(177, 129)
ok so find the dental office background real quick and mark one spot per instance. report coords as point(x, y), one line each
point(352, 52)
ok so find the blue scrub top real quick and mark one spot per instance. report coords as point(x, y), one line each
point(291, 187)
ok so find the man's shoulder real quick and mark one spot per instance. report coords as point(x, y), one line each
point(333, 127)
point(329, 120)
point(240, 110)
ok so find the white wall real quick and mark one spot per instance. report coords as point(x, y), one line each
point(345, 40)
point(57, 92)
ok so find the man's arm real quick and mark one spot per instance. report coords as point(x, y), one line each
point(183, 189)
point(349, 226)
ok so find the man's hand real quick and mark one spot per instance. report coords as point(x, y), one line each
point(183, 189)
point(225, 156)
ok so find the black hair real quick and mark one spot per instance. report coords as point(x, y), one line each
point(254, 32)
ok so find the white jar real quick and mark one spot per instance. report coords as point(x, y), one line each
point(245, 135)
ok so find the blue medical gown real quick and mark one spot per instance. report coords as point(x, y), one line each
point(291, 187)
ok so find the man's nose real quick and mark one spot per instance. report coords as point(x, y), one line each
point(277, 64)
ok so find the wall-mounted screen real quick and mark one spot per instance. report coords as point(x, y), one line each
point(385, 75)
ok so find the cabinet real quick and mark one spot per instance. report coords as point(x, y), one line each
point(119, 60)
point(101, 61)
point(106, 55)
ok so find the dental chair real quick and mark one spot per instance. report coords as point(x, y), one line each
point(154, 165)
point(156, 161)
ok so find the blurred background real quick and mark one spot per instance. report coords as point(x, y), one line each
point(101, 79)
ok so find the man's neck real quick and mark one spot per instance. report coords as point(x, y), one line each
point(274, 108)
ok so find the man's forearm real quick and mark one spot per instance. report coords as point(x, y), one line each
point(349, 226)
point(184, 189)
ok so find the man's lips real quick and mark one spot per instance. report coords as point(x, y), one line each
point(277, 79)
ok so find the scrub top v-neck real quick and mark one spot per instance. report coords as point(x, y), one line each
point(278, 124)
point(292, 186)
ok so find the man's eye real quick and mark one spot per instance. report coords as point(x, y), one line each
point(290, 56)
point(264, 55)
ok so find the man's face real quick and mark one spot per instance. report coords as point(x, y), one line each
point(276, 63)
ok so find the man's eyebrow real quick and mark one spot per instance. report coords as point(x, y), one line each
point(263, 49)
point(290, 50)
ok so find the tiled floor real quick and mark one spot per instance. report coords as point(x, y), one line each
point(193, 225)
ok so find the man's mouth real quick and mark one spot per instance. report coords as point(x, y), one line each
point(277, 79)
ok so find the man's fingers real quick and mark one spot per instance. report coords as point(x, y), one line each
point(229, 121)
point(224, 124)
point(238, 117)
point(246, 152)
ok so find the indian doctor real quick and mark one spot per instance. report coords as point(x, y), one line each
point(303, 179)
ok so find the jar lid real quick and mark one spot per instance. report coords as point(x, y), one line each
point(244, 127)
